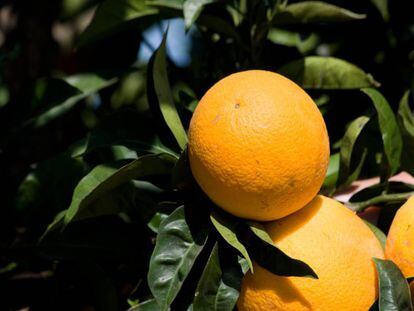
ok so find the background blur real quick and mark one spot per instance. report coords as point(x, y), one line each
point(68, 75)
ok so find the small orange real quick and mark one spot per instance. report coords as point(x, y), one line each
point(400, 241)
point(258, 145)
point(336, 244)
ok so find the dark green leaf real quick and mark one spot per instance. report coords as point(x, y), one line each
point(158, 80)
point(103, 239)
point(125, 128)
point(228, 230)
point(312, 12)
point(107, 177)
point(57, 177)
point(345, 176)
point(177, 248)
point(266, 254)
point(406, 121)
point(217, 290)
point(394, 292)
point(192, 9)
point(85, 84)
point(104, 293)
point(378, 233)
point(112, 14)
point(327, 73)
point(148, 305)
point(390, 132)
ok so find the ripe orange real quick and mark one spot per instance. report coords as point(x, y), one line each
point(339, 247)
point(258, 145)
point(400, 240)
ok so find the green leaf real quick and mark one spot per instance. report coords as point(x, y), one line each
point(382, 7)
point(148, 305)
point(177, 248)
point(345, 176)
point(218, 288)
point(170, 4)
point(254, 243)
point(112, 15)
point(332, 172)
point(228, 230)
point(391, 136)
point(107, 177)
point(156, 221)
point(313, 12)
point(125, 128)
point(269, 256)
point(85, 83)
point(160, 88)
point(57, 177)
point(293, 39)
point(192, 9)
point(327, 73)
point(406, 121)
point(394, 292)
point(382, 238)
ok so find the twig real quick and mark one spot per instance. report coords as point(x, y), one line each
point(383, 198)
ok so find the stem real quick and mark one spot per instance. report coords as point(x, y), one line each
point(384, 198)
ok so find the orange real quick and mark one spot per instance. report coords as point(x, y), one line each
point(400, 240)
point(336, 244)
point(258, 145)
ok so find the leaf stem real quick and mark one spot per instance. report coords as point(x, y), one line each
point(383, 198)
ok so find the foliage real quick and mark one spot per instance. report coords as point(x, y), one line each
point(100, 209)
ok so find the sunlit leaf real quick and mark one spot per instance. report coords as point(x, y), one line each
point(312, 12)
point(178, 246)
point(269, 256)
point(113, 14)
point(327, 73)
point(106, 177)
point(84, 84)
point(192, 9)
point(293, 39)
point(394, 292)
point(382, 7)
point(159, 90)
point(148, 305)
point(391, 136)
point(228, 230)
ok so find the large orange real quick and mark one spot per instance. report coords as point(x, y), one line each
point(339, 247)
point(258, 145)
point(400, 240)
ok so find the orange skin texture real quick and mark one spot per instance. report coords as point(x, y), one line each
point(400, 241)
point(336, 244)
point(258, 145)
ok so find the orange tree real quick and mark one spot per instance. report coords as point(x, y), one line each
point(100, 209)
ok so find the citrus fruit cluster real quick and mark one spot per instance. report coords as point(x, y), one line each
point(259, 148)
point(400, 241)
